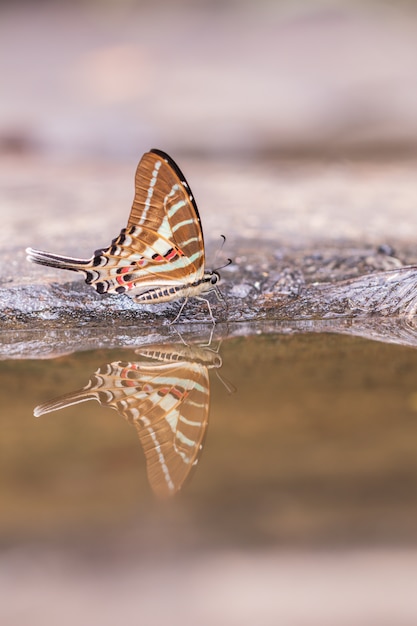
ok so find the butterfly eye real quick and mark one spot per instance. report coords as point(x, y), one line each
point(214, 278)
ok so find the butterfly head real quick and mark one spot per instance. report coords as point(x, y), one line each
point(211, 278)
point(214, 277)
point(209, 281)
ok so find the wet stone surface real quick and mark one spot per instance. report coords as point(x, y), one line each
point(284, 268)
point(287, 291)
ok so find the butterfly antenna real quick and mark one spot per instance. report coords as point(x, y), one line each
point(229, 262)
point(220, 248)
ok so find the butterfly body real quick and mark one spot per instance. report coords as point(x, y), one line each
point(159, 256)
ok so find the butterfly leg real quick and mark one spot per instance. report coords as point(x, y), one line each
point(220, 297)
point(180, 336)
point(208, 306)
point(208, 343)
point(178, 315)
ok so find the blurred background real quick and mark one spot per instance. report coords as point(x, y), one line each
point(325, 89)
point(209, 77)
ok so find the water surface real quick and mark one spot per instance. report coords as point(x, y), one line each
point(310, 440)
point(298, 506)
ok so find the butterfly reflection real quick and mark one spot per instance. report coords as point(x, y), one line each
point(166, 397)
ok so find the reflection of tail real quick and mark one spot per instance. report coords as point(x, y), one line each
point(63, 401)
point(55, 260)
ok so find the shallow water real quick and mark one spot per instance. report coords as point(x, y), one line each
point(310, 443)
point(309, 439)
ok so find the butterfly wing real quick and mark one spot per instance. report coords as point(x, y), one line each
point(163, 241)
point(168, 403)
point(172, 428)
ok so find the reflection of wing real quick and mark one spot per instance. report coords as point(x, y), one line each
point(173, 430)
point(167, 402)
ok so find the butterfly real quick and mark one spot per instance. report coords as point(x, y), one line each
point(166, 397)
point(159, 256)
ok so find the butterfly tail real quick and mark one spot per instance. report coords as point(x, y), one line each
point(55, 260)
point(62, 402)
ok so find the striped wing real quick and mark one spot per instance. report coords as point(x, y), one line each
point(172, 423)
point(168, 403)
point(163, 241)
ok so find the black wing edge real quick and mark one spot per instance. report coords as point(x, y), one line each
point(182, 178)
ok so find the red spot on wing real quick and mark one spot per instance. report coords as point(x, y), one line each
point(121, 280)
point(125, 371)
point(171, 255)
point(119, 277)
point(178, 393)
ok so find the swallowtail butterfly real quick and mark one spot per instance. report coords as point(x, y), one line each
point(159, 256)
point(165, 398)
